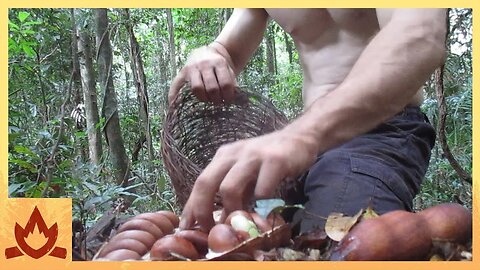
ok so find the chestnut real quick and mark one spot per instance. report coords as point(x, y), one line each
point(122, 255)
point(198, 238)
point(449, 221)
point(397, 235)
point(164, 247)
point(223, 237)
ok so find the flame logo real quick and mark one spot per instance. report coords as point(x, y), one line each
point(21, 234)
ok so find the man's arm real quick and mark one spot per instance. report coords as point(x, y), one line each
point(389, 72)
point(211, 70)
point(386, 76)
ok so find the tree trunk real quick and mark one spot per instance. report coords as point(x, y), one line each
point(288, 46)
point(141, 85)
point(77, 88)
point(270, 44)
point(162, 65)
point(223, 16)
point(89, 94)
point(270, 41)
point(75, 65)
point(171, 34)
point(127, 81)
point(112, 129)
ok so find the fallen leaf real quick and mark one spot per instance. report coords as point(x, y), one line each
point(314, 239)
point(337, 225)
point(369, 213)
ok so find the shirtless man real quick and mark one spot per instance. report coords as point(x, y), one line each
point(362, 137)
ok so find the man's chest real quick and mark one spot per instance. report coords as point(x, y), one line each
point(306, 25)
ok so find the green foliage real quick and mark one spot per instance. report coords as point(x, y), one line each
point(442, 184)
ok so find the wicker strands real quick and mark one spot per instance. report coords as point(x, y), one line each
point(194, 130)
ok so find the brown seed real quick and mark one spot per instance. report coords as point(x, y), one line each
point(397, 235)
point(144, 237)
point(171, 216)
point(198, 238)
point(164, 247)
point(161, 220)
point(449, 221)
point(222, 237)
point(143, 225)
point(126, 243)
point(122, 255)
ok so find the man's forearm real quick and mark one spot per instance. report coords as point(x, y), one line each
point(384, 79)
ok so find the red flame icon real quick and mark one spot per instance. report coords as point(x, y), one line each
point(51, 234)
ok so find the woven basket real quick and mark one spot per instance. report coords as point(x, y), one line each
point(194, 130)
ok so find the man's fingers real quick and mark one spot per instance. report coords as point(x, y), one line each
point(235, 184)
point(211, 86)
point(205, 219)
point(186, 221)
point(203, 194)
point(226, 82)
point(196, 83)
point(271, 173)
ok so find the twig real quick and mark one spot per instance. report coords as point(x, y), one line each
point(442, 111)
point(51, 158)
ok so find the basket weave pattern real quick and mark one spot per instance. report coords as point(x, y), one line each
point(194, 130)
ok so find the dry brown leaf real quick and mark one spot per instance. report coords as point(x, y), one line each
point(337, 225)
point(312, 239)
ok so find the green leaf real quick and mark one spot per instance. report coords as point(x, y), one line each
point(32, 23)
point(45, 134)
point(28, 50)
point(91, 186)
point(24, 164)
point(13, 25)
point(23, 15)
point(26, 151)
point(80, 134)
point(28, 32)
point(14, 189)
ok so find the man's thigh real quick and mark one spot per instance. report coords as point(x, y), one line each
point(345, 183)
point(382, 169)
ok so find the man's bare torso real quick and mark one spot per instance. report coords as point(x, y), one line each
point(329, 42)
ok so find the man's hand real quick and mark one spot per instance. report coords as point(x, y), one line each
point(244, 168)
point(210, 76)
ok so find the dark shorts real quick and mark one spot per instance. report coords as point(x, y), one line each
point(383, 169)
